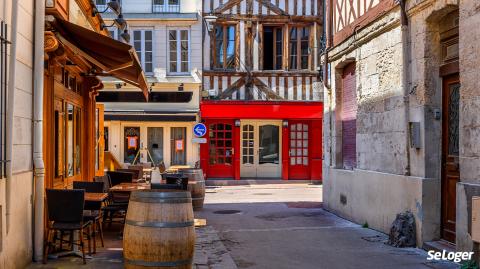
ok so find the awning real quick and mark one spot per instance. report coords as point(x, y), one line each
point(112, 57)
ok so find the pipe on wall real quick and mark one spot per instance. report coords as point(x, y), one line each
point(406, 80)
point(39, 167)
point(10, 109)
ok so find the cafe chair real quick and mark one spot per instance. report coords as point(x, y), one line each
point(65, 214)
point(93, 210)
point(138, 168)
point(117, 203)
point(178, 179)
point(135, 172)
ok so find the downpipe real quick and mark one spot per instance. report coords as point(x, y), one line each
point(39, 167)
point(405, 80)
point(9, 119)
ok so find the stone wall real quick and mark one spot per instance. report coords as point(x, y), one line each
point(16, 233)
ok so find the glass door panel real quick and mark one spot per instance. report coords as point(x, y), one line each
point(268, 147)
point(178, 146)
point(155, 144)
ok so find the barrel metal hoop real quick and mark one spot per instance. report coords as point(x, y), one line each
point(161, 200)
point(158, 264)
point(154, 224)
point(198, 198)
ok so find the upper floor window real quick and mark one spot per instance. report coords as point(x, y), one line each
point(299, 48)
point(143, 44)
point(102, 5)
point(224, 49)
point(178, 48)
point(160, 6)
point(272, 47)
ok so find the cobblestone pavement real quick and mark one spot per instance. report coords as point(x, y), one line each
point(284, 227)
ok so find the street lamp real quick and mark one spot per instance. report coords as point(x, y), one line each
point(125, 36)
point(119, 22)
point(113, 5)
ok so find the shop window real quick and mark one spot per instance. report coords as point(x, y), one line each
point(73, 137)
point(299, 48)
point(178, 47)
point(132, 144)
point(178, 145)
point(155, 144)
point(143, 44)
point(272, 47)
point(224, 50)
point(221, 144)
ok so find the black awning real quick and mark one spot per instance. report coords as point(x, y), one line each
point(137, 97)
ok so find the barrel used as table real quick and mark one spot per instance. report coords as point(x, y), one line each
point(196, 185)
point(159, 230)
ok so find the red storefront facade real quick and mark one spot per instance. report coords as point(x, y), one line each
point(262, 139)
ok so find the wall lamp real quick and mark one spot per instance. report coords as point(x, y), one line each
point(237, 123)
point(119, 22)
point(113, 5)
point(209, 20)
point(285, 123)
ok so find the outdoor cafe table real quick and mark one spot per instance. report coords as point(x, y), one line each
point(95, 197)
point(129, 187)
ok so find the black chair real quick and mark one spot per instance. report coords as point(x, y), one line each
point(93, 209)
point(118, 177)
point(118, 202)
point(160, 186)
point(178, 179)
point(106, 182)
point(65, 214)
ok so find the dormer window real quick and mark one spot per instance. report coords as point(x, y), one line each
point(166, 6)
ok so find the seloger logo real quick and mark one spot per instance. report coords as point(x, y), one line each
point(449, 256)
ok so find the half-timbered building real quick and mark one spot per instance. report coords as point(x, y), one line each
point(260, 69)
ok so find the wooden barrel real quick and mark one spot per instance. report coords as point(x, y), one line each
point(159, 230)
point(196, 186)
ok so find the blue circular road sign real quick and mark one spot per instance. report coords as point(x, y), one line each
point(199, 130)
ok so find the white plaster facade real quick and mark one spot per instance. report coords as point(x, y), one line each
point(140, 16)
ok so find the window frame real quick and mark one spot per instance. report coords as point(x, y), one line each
point(165, 7)
point(142, 51)
point(213, 46)
point(299, 46)
point(275, 28)
point(179, 51)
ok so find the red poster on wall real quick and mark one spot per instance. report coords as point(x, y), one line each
point(179, 145)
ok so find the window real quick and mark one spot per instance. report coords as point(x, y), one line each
point(161, 6)
point(178, 146)
point(143, 44)
point(72, 137)
point(272, 48)
point(105, 136)
point(299, 48)
point(113, 33)
point(349, 117)
point(178, 46)
point(102, 5)
point(224, 48)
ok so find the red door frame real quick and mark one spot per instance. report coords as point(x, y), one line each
point(231, 111)
point(220, 171)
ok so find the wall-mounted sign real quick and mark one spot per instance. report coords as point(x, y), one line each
point(132, 142)
point(199, 130)
point(199, 140)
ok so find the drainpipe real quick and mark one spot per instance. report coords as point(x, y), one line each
point(10, 108)
point(405, 80)
point(39, 172)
